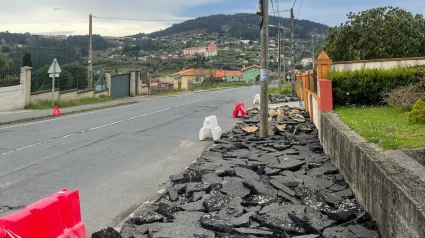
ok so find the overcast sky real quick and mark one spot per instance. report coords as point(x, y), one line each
point(71, 16)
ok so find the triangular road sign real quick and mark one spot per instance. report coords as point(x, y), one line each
point(57, 68)
point(56, 112)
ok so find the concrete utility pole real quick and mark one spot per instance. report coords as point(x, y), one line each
point(90, 61)
point(292, 56)
point(264, 101)
point(279, 73)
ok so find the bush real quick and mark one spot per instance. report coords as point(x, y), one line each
point(417, 115)
point(369, 86)
point(406, 96)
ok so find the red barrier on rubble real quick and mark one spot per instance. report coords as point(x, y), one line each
point(240, 107)
point(52, 217)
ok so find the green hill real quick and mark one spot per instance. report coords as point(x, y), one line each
point(242, 25)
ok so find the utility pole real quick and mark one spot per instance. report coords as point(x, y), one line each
point(292, 56)
point(279, 74)
point(90, 61)
point(264, 101)
point(312, 39)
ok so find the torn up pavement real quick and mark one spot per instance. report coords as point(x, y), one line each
point(247, 186)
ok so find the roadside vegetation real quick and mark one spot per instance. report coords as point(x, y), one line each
point(47, 104)
point(388, 126)
point(286, 89)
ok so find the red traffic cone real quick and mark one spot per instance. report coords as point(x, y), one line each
point(56, 112)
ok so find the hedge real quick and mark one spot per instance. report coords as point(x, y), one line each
point(368, 86)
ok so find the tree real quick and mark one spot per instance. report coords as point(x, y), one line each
point(26, 60)
point(384, 32)
point(5, 49)
point(5, 63)
point(79, 73)
point(126, 49)
point(65, 80)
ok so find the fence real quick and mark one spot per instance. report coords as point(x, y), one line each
point(41, 81)
point(9, 79)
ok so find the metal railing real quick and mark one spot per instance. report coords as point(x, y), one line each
point(8, 79)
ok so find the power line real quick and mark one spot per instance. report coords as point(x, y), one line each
point(299, 11)
point(295, 1)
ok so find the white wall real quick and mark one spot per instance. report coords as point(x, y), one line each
point(377, 64)
point(12, 98)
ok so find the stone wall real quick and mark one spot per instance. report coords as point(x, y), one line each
point(68, 95)
point(44, 96)
point(377, 64)
point(390, 185)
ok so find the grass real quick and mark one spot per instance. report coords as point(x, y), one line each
point(221, 85)
point(47, 104)
point(286, 89)
point(387, 127)
point(169, 71)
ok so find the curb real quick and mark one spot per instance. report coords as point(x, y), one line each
point(65, 113)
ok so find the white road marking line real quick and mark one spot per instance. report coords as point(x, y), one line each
point(87, 113)
point(99, 127)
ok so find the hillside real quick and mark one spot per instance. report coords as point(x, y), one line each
point(242, 25)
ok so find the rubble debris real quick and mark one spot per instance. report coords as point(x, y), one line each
point(247, 186)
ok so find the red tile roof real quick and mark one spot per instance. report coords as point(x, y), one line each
point(250, 67)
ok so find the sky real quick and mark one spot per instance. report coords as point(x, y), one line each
point(71, 17)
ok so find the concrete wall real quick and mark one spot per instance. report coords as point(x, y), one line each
point(85, 94)
point(101, 93)
point(68, 95)
point(390, 185)
point(377, 64)
point(12, 98)
point(43, 96)
point(16, 97)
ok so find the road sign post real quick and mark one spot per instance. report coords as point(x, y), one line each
point(54, 72)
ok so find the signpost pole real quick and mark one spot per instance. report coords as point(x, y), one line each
point(53, 84)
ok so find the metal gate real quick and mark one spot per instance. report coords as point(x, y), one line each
point(120, 85)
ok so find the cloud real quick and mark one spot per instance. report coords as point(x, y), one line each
point(40, 16)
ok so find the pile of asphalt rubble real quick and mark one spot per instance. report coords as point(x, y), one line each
point(276, 98)
point(246, 186)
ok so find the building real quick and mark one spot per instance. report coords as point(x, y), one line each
point(199, 75)
point(245, 42)
point(188, 76)
point(207, 51)
point(250, 73)
point(306, 61)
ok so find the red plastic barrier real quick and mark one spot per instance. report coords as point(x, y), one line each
point(240, 108)
point(52, 217)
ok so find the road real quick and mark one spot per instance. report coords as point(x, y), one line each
point(117, 158)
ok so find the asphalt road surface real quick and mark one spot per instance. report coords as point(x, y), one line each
point(117, 158)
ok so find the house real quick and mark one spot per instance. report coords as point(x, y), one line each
point(164, 57)
point(245, 42)
point(189, 76)
point(20, 46)
point(306, 61)
point(175, 56)
point(255, 42)
point(207, 51)
point(250, 73)
point(145, 38)
point(245, 62)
